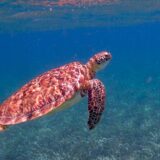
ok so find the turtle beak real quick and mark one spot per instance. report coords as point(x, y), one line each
point(108, 56)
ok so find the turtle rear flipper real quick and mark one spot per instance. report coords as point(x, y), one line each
point(2, 128)
point(96, 102)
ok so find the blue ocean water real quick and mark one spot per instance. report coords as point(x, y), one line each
point(129, 128)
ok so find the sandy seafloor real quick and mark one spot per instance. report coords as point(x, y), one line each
point(130, 126)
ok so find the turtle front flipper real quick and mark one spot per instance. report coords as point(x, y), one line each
point(96, 101)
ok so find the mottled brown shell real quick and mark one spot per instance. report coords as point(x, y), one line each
point(43, 94)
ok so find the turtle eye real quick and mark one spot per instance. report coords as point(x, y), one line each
point(101, 60)
point(106, 57)
point(98, 61)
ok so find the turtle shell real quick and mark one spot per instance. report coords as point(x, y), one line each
point(43, 94)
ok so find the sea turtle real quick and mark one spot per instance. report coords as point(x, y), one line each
point(57, 89)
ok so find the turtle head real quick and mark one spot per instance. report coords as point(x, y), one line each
point(99, 61)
